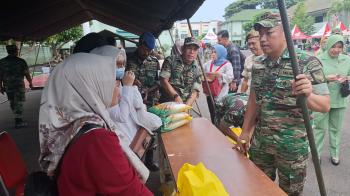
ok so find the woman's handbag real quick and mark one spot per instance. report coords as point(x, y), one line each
point(345, 88)
point(215, 86)
point(141, 142)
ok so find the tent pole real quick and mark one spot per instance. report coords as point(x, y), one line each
point(301, 98)
point(201, 66)
point(36, 60)
point(171, 36)
point(160, 45)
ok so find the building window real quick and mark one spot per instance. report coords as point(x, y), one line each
point(195, 33)
point(318, 19)
point(214, 29)
point(183, 36)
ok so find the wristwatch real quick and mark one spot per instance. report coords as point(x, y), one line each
point(175, 96)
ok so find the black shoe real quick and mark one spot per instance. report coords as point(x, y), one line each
point(19, 123)
point(152, 167)
point(335, 161)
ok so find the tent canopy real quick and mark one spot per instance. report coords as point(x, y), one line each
point(36, 20)
point(297, 34)
point(324, 31)
point(210, 35)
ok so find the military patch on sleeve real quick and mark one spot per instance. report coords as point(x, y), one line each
point(317, 76)
point(314, 67)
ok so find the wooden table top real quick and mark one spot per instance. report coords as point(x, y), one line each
point(201, 141)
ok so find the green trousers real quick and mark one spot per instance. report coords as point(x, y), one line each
point(333, 123)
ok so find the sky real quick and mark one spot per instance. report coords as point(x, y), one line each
point(211, 10)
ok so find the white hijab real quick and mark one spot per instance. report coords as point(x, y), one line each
point(110, 51)
point(79, 91)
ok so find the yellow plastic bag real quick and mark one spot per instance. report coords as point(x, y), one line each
point(199, 181)
point(174, 125)
point(167, 108)
point(237, 131)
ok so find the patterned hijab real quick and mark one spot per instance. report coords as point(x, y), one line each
point(79, 91)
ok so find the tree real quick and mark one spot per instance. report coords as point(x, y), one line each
point(58, 40)
point(301, 19)
point(340, 7)
point(239, 5)
point(272, 4)
point(249, 25)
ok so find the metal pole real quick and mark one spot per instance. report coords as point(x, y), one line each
point(171, 36)
point(160, 45)
point(201, 65)
point(36, 60)
point(302, 98)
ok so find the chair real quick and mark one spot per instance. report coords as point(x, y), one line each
point(13, 170)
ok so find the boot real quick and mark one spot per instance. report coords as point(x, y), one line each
point(149, 161)
point(19, 123)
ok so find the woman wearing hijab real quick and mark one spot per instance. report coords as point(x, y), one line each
point(74, 105)
point(129, 113)
point(336, 67)
point(218, 68)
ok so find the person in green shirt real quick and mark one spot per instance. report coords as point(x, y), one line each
point(336, 67)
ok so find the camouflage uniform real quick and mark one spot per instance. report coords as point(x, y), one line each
point(230, 110)
point(12, 71)
point(147, 73)
point(280, 140)
point(183, 78)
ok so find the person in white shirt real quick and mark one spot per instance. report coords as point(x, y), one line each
point(129, 112)
point(221, 69)
point(253, 43)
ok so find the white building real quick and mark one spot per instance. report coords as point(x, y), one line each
point(181, 29)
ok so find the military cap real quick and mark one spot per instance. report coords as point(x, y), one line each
point(268, 20)
point(191, 41)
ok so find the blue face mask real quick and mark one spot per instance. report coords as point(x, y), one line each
point(119, 72)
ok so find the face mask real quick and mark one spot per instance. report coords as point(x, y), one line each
point(119, 72)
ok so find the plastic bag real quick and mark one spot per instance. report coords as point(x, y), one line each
point(167, 108)
point(237, 131)
point(175, 117)
point(174, 125)
point(199, 181)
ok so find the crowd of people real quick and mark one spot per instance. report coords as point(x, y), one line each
point(96, 101)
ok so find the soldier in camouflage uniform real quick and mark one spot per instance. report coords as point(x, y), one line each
point(180, 76)
point(146, 67)
point(230, 112)
point(280, 141)
point(12, 71)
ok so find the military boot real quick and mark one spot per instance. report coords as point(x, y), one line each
point(19, 123)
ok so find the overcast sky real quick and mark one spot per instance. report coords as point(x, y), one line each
point(211, 10)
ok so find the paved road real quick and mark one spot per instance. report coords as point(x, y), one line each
point(337, 179)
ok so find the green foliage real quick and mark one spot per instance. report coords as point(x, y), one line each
point(249, 25)
point(301, 19)
point(201, 36)
point(239, 5)
point(58, 40)
point(338, 6)
point(272, 4)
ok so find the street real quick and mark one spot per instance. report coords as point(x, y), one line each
point(337, 178)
